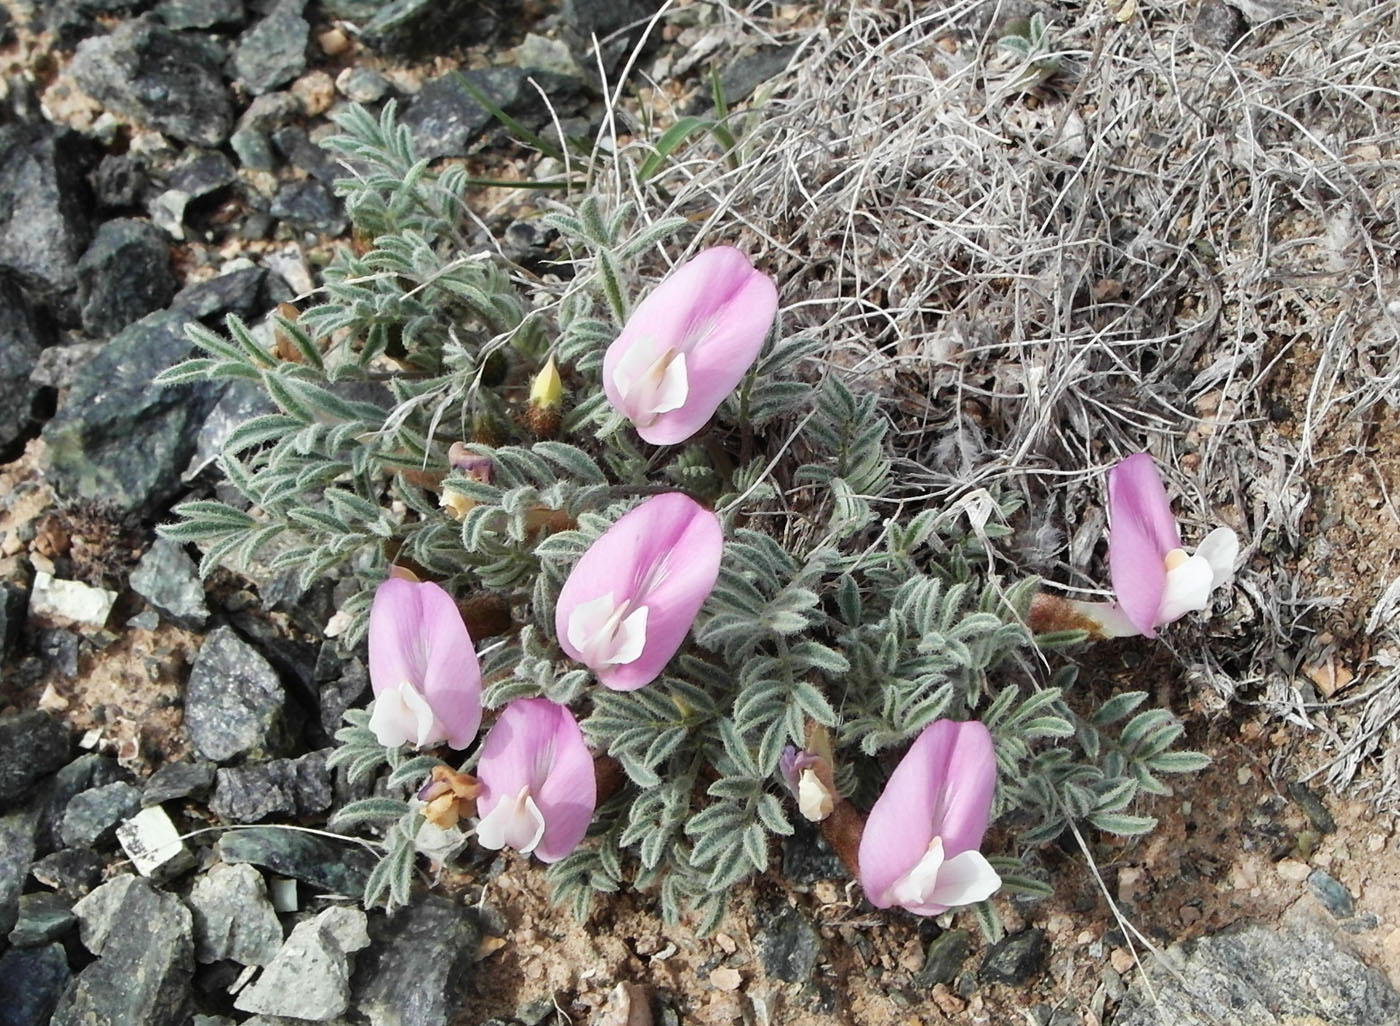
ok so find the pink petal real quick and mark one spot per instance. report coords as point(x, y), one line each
point(716, 309)
point(942, 787)
point(416, 635)
point(1141, 533)
point(536, 744)
point(664, 554)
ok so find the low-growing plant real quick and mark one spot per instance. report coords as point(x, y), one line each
point(438, 416)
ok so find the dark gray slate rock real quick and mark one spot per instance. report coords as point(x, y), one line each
point(32, 745)
point(119, 181)
point(270, 112)
point(584, 19)
point(418, 964)
point(310, 976)
point(43, 917)
point(426, 28)
point(202, 173)
point(31, 982)
point(233, 292)
point(1302, 971)
point(308, 205)
point(336, 867)
point(92, 816)
point(124, 275)
point(294, 144)
point(178, 780)
point(23, 335)
point(118, 436)
point(1218, 25)
point(169, 580)
point(807, 858)
point(59, 651)
point(17, 833)
point(14, 604)
point(73, 871)
point(277, 787)
point(145, 941)
point(240, 402)
point(273, 52)
point(341, 687)
point(234, 702)
point(44, 219)
point(445, 118)
point(199, 14)
point(82, 774)
point(158, 78)
point(1332, 893)
point(945, 956)
point(1016, 959)
point(253, 150)
point(789, 946)
point(363, 85)
point(233, 918)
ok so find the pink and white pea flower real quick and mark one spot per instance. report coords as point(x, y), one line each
point(629, 602)
point(919, 849)
point(538, 787)
point(688, 344)
point(422, 667)
point(1155, 580)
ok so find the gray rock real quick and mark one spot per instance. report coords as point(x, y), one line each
point(241, 401)
point(584, 19)
point(345, 686)
point(31, 982)
point(44, 219)
point(425, 28)
point(69, 603)
point(17, 835)
point(43, 917)
point(1218, 25)
point(82, 774)
point(178, 780)
point(199, 14)
point(310, 976)
point(277, 787)
point(119, 181)
point(1312, 807)
point(59, 651)
point(233, 918)
point(945, 956)
point(742, 76)
point(233, 292)
point(270, 112)
point(144, 938)
point(201, 173)
point(1016, 959)
point(92, 816)
point(330, 866)
point(273, 52)
point(234, 702)
point(120, 437)
point(301, 152)
point(124, 275)
point(32, 745)
point(362, 85)
point(1332, 893)
point(1304, 970)
point(308, 205)
point(23, 335)
point(169, 580)
point(807, 858)
point(253, 150)
point(418, 965)
point(168, 211)
point(73, 871)
point(789, 946)
point(158, 78)
point(445, 118)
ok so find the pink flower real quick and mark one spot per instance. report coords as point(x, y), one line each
point(629, 602)
point(1155, 580)
point(422, 666)
point(689, 344)
point(538, 789)
point(919, 848)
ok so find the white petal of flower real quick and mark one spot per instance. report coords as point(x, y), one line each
point(1188, 587)
point(603, 636)
point(965, 879)
point(630, 638)
point(1220, 549)
point(651, 380)
point(813, 799)
point(673, 386)
point(516, 822)
point(588, 622)
point(914, 887)
point(403, 716)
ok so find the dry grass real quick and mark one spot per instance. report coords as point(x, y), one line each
point(1163, 246)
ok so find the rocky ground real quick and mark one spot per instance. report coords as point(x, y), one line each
point(163, 739)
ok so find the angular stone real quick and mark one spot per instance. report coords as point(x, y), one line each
point(43, 917)
point(118, 436)
point(32, 745)
point(154, 846)
point(198, 14)
point(31, 982)
point(158, 78)
point(1218, 25)
point(1332, 893)
point(17, 835)
point(363, 85)
point(946, 954)
point(418, 965)
point(584, 19)
point(92, 817)
point(74, 871)
point(233, 292)
point(119, 181)
point(44, 212)
point(23, 336)
point(124, 275)
point(145, 940)
point(169, 580)
point(82, 774)
point(1016, 959)
point(234, 702)
point(233, 918)
point(178, 780)
point(241, 401)
point(789, 946)
point(310, 206)
point(202, 173)
point(310, 976)
point(55, 601)
point(277, 787)
point(273, 51)
point(445, 118)
point(1303, 970)
point(425, 28)
point(328, 865)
